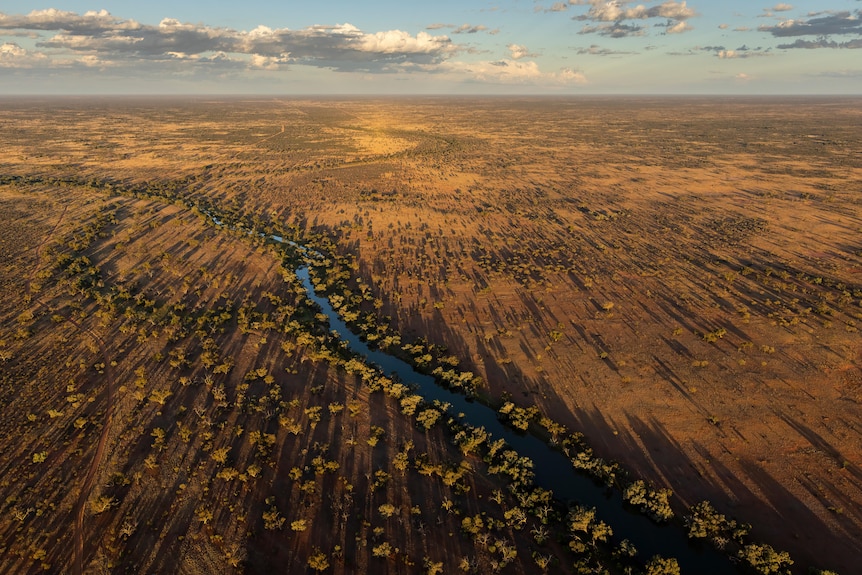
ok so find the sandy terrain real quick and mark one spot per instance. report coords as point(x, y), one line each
point(680, 280)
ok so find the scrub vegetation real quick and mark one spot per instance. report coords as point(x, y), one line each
point(666, 291)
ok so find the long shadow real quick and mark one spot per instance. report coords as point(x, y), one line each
point(678, 347)
point(734, 493)
point(779, 517)
point(797, 522)
point(821, 444)
point(666, 456)
point(553, 470)
point(668, 374)
point(598, 344)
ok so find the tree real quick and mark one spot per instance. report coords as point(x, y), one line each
point(318, 560)
point(766, 560)
point(272, 519)
point(383, 550)
point(433, 567)
point(659, 565)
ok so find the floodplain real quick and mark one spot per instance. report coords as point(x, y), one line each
point(667, 290)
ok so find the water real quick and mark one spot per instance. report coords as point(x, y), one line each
point(552, 469)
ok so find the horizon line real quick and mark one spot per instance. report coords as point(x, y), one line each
point(616, 95)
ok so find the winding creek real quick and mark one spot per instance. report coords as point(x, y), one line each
point(553, 470)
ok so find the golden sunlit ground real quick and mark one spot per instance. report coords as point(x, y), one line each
point(678, 279)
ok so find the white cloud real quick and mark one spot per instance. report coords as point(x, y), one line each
point(678, 28)
point(53, 19)
point(511, 72)
point(91, 61)
point(674, 10)
point(609, 17)
point(615, 10)
point(12, 50)
point(99, 40)
point(268, 62)
point(14, 56)
point(743, 51)
point(261, 32)
point(340, 47)
point(396, 41)
point(570, 76)
point(516, 52)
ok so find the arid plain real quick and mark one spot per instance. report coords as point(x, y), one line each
point(679, 280)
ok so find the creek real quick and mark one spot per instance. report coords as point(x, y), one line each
point(552, 468)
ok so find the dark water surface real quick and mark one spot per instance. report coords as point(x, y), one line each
point(552, 469)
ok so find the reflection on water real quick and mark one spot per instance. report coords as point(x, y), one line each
point(552, 469)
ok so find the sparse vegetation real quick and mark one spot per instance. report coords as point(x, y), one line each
point(176, 375)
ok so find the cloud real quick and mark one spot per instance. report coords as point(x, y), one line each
point(268, 62)
point(678, 27)
point(614, 30)
point(830, 24)
point(571, 76)
point(12, 50)
point(596, 50)
point(398, 42)
point(770, 12)
point(511, 72)
point(742, 52)
point(100, 40)
point(53, 19)
point(821, 43)
point(105, 38)
point(462, 29)
point(608, 18)
point(468, 29)
point(14, 56)
point(730, 54)
point(517, 52)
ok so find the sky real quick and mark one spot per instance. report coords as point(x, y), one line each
point(487, 47)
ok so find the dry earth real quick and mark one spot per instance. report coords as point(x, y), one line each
point(679, 279)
